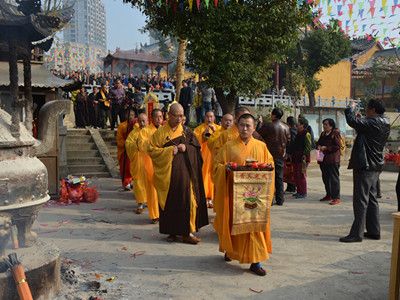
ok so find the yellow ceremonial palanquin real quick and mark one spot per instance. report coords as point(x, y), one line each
point(162, 158)
point(138, 160)
point(250, 247)
point(151, 195)
point(207, 157)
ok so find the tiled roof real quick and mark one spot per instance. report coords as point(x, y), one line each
point(361, 44)
point(139, 56)
point(387, 59)
point(41, 77)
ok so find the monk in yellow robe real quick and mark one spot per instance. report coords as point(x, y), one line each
point(226, 123)
point(123, 160)
point(203, 133)
point(251, 247)
point(177, 164)
point(138, 159)
point(143, 145)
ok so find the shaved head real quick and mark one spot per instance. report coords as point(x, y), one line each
point(175, 107)
point(157, 117)
point(143, 120)
point(227, 121)
point(241, 111)
point(209, 117)
point(175, 115)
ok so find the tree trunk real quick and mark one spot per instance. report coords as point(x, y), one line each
point(28, 92)
point(311, 98)
point(13, 65)
point(180, 66)
point(228, 102)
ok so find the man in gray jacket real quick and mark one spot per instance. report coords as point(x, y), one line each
point(366, 161)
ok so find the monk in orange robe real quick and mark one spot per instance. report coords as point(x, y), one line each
point(143, 146)
point(177, 163)
point(123, 160)
point(226, 123)
point(203, 133)
point(138, 161)
point(252, 247)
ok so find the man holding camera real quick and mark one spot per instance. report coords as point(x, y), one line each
point(366, 161)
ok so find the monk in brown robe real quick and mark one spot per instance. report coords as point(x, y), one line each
point(177, 163)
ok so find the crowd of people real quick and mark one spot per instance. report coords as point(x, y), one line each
point(178, 172)
point(111, 95)
point(143, 81)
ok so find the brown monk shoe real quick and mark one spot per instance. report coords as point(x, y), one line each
point(190, 240)
point(139, 210)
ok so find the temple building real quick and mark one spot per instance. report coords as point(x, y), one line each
point(136, 62)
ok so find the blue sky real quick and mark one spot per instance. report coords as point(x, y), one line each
point(124, 22)
point(123, 25)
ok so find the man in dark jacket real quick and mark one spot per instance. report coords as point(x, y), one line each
point(276, 135)
point(366, 161)
point(185, 99)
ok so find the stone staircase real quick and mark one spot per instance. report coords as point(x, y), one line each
point(111, 142)
point(83, 157)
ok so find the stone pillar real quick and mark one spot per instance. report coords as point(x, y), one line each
point(62, 148)
point(13, 65)
point(28, 91)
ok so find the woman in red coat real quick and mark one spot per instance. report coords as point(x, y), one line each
point(329, 145)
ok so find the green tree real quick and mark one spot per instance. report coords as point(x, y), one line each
point(318, 48)
point(235, 46)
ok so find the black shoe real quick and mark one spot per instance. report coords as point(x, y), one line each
point(379, 196)
point(257, 270)
point(279, 204)
point(372, 236)
point(227, 258)
point(350, 239)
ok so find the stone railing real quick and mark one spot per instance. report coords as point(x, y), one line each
point(273, 100)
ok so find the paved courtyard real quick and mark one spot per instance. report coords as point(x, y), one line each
point(106, 242)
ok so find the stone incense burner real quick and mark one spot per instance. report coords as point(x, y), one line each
point(23, 177)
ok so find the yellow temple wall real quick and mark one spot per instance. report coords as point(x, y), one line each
point(335, 81)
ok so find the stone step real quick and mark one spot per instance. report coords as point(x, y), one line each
point(77, 132)
point(79, 138)
point(108, 133)
point(83, 169)
point(94, 174)
point(86, 160)
point(82, 154)
point(80, 146)
point(109, 140)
